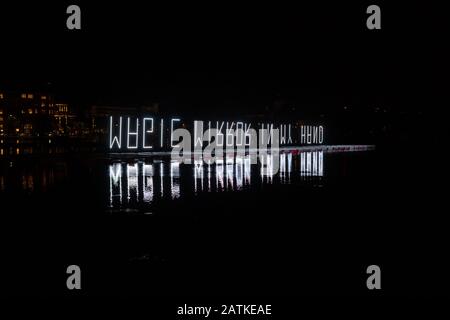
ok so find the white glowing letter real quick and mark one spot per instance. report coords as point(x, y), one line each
point(219, 134)
point(132, 133)
point(229, 135)
point(198, 135)
point(320, 134)
point(115, 139)
point(171, 131)
point(239, 134)
point(145, 131)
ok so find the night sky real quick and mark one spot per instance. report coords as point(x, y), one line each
point(226, 55)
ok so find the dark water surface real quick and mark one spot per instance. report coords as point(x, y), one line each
point(155, 226)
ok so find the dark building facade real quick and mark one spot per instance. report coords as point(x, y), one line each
point(33, 114)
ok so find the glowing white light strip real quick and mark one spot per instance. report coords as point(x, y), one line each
point(132, 180)
point(308, 163)
point(247, 169)
point(240, 134)
point(175, 183)
point(219, 174)
point(171, 131)
point(146, 131)
point(229, 134)
point(282, 166)
point(198, 138)
point(147, 180)
point(115, 180)
point(289, 166)
point(320, 134)
point(219, 134)
point(239, 172)
point(247, 134)
point(320, 163)
point(111, 143)
point(162, 131)
point(129, 133)
point(198, 174)
point(161, 175)
point(289, 136)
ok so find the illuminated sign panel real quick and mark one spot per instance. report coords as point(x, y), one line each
point(139, 134)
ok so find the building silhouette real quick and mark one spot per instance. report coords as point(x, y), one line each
point(31, 114)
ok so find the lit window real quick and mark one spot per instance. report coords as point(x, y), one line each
point(23, 95)
point(1, 95)
point(30, 111)
point(29, 96)
point(1, 111)
point(17, 130)
point(43, 97)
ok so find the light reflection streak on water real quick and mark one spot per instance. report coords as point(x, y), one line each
point(31, 179)
point(2, 183)
point(161, 178)
point(219, 174)
point(175, 179)
point(229, 172)
point(147, 177)
point(198, 175)
point(225, 174)
point(132, 179)
point(115, 182)
point(311, 164)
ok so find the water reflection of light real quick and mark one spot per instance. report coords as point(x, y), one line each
point(225, 174)
point(311, 164)
point(209, 176)
point(239, 173)
point(198, 175)
point(161, 179)
point(219, 174)
point(267, 168)
point(175, 178)
point(147, 178)
point(115, 182)
point(285, 167)
point(242, 171)
point(28, 182)
point(132, 181)
point(32, 179)
point(229, 172)
point(289, 166)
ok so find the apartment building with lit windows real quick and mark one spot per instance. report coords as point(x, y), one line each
point(32, 114)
